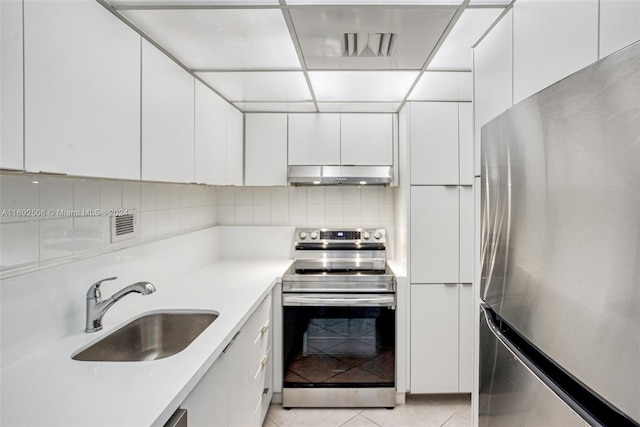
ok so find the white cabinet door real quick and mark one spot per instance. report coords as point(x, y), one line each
point(434, 338)
point(167, 118)
point(465, 337)
point(314, 139)
point(366, 139)
point(434, 143)
point(434, 234)
point(619, 24)
point(11, 85)
point(493, 77)
point(552, 39)
point(210, 136)
point(266, 149)
point(235, 146)
point(82, 90)
point(465, 143)
point(466, 234)
point(208, 403)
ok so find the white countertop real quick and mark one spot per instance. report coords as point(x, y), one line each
point(49, 388)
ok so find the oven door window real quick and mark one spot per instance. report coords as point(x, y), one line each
point(339, 346)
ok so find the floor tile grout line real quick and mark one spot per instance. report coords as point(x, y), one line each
point(362, 413)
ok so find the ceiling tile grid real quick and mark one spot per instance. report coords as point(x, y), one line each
point(293, 56)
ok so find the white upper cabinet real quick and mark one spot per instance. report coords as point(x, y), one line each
point(11, 118)
point(82, 90)
point(235, 146)
point(434, 143)
point(210, 136)
point(266, 149)
point(167, 118)
point(552, 39)
point(366, 139)
point(314, 139)
point(493, 78)
point(619, 24)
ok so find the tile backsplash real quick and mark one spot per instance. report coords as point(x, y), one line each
point(306, 206)
point(49, 220)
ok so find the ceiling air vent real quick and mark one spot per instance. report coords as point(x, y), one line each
point(124, 226)
point(369, 44)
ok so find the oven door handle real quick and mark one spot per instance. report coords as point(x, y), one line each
point(342, 300)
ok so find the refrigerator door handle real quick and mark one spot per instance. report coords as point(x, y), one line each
point(557, 381)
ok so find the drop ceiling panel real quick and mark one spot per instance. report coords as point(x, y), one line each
point(188, 3)
point(361, 86)
point(358, 107)
point(321, 30)
point(220, 38)
point(376, 2)
point(455, 52)
point(259, 85)
point(282, 107)
point(444, 86)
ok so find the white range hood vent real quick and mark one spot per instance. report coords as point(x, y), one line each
point(340, 175)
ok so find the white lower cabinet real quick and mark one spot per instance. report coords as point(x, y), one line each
point(441, 338)
point(237, 389)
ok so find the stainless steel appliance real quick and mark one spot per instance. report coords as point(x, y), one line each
point(560, 323)
point(339, 323)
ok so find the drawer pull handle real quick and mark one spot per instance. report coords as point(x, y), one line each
point(264, 360)
point(265, 327)
point(265, 392)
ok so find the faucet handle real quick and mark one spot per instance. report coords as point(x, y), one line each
point(94, 290)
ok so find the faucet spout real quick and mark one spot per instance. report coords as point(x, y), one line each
point(97, 307)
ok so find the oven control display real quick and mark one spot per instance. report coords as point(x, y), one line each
point(340, 235)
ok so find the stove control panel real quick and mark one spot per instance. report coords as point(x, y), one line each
point(340, 235)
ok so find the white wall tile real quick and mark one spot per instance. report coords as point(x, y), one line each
point(188, 196)
point(175, 196)
point(261, 215)
point(370, 214)
point(334, 215)
point(226, 196)
point(351, 196)
point(315, 195)
point(110, 195)
point(18, 192)
point(279, 196)
point(333, 195)
point(163, 222)
point(244, 214)
point(147, 225)
point(86, 235)
point(86, 195)
point(280, 214)
point(175, 220)
point(297, 196)
point(131, 195)
point(370, 195)
point(19, 244)
point(56, 195)
point(244, 196)
point(226, 215)
point(298, 215)
point(352, 215)
point(56, 239)
point(261, 196)
point(386, 195)
point(148, 197)
point(315, 216)
point(163, 196)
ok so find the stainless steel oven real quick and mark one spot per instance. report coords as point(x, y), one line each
point(339, 321)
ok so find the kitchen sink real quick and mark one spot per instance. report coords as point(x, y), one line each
point(149, 337)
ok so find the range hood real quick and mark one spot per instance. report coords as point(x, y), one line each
point(345, 175)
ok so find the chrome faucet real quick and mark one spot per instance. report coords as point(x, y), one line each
point(96, 306)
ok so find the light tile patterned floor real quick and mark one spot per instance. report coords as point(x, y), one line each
point(420, 410)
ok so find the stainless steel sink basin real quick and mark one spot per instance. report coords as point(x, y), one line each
point(150, 337)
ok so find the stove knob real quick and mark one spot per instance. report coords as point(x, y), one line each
point(366, 235)
point(302, 235)
point(314, 235)
point(377, 234)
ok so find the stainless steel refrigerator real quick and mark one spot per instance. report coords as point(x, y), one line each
point(560, 249)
